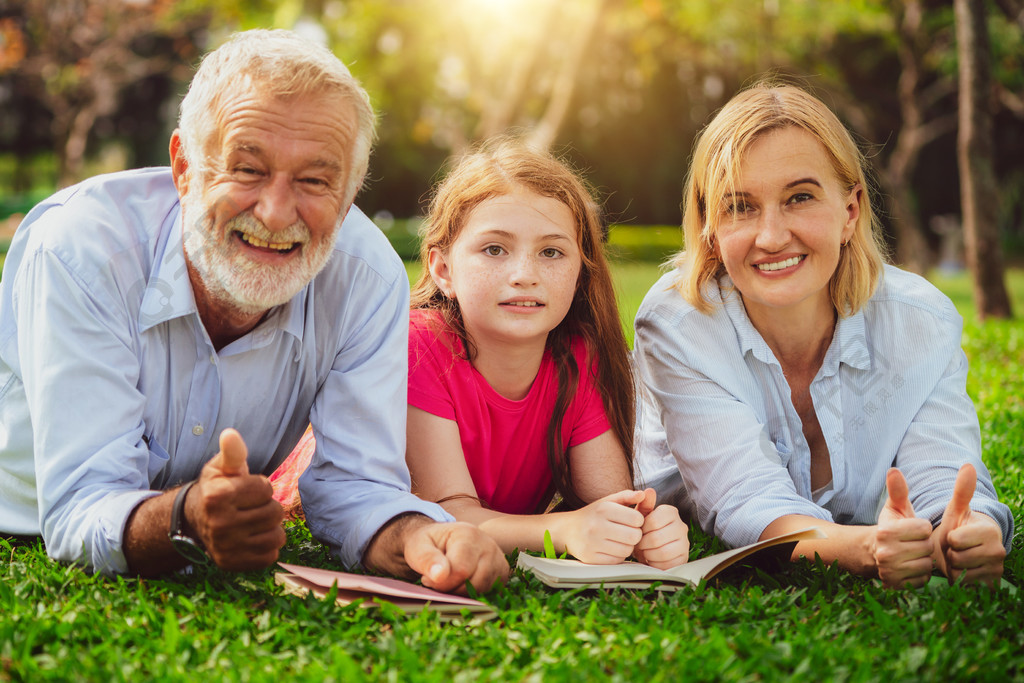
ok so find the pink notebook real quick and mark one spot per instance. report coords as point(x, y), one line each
point(408, 597)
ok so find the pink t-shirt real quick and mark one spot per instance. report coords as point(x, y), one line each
point(504, 441)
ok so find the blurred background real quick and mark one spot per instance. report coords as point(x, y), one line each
point(619, 87)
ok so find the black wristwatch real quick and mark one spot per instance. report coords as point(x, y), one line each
point(187, 547)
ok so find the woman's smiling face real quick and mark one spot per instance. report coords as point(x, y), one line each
point(780, 233)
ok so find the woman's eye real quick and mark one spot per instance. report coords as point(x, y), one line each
point(493, 250)
point(737, 208)
point(800, 197)
point(550, 252)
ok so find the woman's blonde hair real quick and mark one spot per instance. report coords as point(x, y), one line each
point(504, 166)
point(713, 175)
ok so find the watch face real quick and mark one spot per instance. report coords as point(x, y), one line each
point(190, 550)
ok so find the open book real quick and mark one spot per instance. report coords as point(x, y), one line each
point(576, 574)
point(373, 590)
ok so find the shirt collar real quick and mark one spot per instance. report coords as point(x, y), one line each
point(849, 343)
point(169, 292)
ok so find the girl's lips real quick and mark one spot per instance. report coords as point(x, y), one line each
point(522, 303)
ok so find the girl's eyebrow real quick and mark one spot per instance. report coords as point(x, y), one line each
point(505, 234)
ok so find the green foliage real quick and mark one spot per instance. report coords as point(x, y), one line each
point(804, 621)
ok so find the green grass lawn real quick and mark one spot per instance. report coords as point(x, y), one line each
point(802, 622)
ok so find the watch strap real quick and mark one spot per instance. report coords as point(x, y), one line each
point(187, 547)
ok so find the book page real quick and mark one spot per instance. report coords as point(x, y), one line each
point(378, 586)
point(573, 573)
point(707, 567)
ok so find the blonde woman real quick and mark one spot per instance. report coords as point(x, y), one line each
point(795, 379)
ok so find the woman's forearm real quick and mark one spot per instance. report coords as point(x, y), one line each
point(852, 546)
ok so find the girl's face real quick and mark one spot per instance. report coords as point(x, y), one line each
point(513, 268)
point(780, 233)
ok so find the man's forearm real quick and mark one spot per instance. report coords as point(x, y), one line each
point(386, 551)
point(146, 545)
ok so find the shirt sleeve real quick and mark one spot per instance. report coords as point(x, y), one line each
point(358, 479)
point(731, 470)
point(943, 436)
point(80, 373)
point(427, 390)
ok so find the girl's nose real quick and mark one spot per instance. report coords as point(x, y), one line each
point(524, 271)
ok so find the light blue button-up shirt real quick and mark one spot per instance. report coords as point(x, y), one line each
point(890, 392)
point(111, 390)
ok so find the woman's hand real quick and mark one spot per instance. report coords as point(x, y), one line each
point(903, 544)
point(665, 543)
point(969, 543)
point(605, 531)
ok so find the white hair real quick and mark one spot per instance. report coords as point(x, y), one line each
point(284, 66)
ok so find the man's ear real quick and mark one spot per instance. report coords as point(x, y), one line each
point(440, 272)
point(179, 165)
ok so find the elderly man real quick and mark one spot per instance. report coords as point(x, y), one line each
point(166, 335)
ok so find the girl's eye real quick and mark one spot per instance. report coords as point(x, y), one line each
point(493, 250)
point(550, 252)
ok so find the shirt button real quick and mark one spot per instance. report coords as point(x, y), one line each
point(213, 358)
point(198, 430)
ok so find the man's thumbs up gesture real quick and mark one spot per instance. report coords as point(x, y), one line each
point(233, 512)
point(969, 542)
point(903, 544)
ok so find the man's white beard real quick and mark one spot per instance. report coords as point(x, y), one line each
point(249, 286)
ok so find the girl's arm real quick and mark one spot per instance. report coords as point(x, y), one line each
point(604, 532)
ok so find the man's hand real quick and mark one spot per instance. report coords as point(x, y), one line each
point(903, 544)
point(970, 543)
point(447, 555)
point(665, 543)
point(232, 512)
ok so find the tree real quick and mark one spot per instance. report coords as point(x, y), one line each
point(82, 57)
point(978, 188)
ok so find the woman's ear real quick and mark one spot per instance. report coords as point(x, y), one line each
point(440, 271)
point(852, 213)
point(179, 165)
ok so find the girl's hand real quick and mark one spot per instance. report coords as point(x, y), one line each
point(665, 542)
point(903, 544)
point(969, 543)
point(604, 532)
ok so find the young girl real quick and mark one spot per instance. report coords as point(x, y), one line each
point(519, 378)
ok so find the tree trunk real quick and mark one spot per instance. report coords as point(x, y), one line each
point(544, 133)
point(978, 189)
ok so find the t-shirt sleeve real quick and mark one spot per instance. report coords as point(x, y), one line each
point(430, 366)
point(591, 420)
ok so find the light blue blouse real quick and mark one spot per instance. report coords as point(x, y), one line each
point(890, 392)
